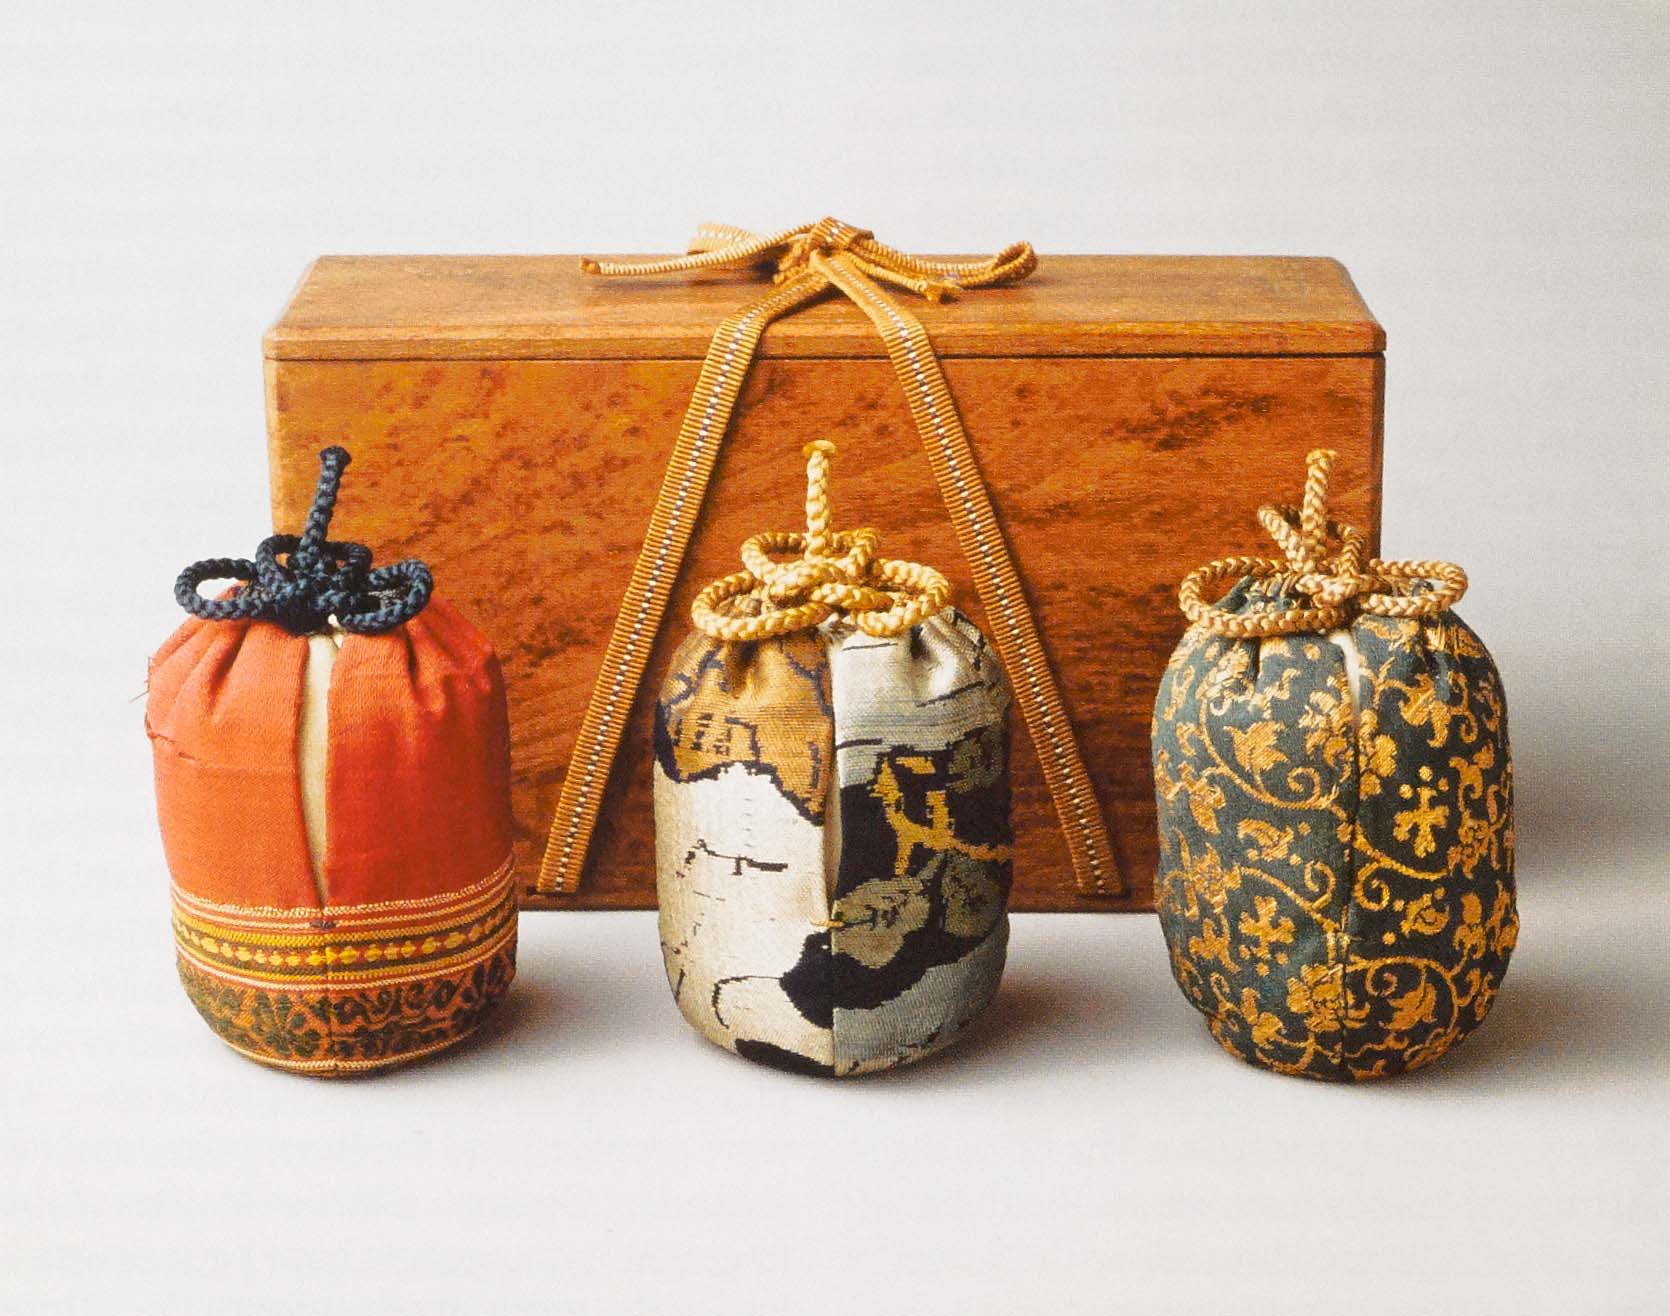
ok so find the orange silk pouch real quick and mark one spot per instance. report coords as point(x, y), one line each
point(332, 772)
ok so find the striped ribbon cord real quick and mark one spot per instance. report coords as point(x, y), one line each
point(808, 262)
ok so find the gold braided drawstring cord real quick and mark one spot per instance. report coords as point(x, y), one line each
point(1339, 586)
point(807, 263)
point(837, 573)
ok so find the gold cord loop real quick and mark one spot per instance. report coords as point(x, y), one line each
point(803, 249)
point(1323, 560)
point(836, 574)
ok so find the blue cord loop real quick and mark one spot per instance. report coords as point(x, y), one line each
point(298, 581)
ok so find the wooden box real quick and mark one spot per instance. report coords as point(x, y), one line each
point(511, 418)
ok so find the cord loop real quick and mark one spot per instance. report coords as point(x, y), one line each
point(837, 573)
point(303, 581)
point(1322, 560)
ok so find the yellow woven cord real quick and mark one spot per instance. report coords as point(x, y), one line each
point(808, 262)
point(837, 572)
point(1339, 586)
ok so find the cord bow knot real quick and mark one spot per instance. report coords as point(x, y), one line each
point(302, 581)
point(1324, 560)
point(837, 572)
point(834, 253)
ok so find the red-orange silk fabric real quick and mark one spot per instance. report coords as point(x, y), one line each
point(417, 763)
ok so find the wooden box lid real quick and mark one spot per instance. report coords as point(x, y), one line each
point(544, 307)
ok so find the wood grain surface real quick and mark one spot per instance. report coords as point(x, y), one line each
point(536, 307)
point(526, 483)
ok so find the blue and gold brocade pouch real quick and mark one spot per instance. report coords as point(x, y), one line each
point(1331, 766)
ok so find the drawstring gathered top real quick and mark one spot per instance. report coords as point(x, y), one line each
point(1323, 561)
point(837, 573)
point(301, 582)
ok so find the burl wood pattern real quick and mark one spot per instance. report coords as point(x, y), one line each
point(526, 484)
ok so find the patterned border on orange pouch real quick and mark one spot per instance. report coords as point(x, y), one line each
point(342, 989)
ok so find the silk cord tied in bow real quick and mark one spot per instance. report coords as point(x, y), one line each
point(301, 581)
point(809, 262)
point(1323, 560)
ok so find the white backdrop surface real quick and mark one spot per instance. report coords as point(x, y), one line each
point(1496, 178)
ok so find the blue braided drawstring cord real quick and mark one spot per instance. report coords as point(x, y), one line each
point(300, 581)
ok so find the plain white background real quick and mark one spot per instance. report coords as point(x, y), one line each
point(1495, 176)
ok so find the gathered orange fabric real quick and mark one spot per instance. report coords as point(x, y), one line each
point(222, 707)
point(419, 769)
point(417, 778)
